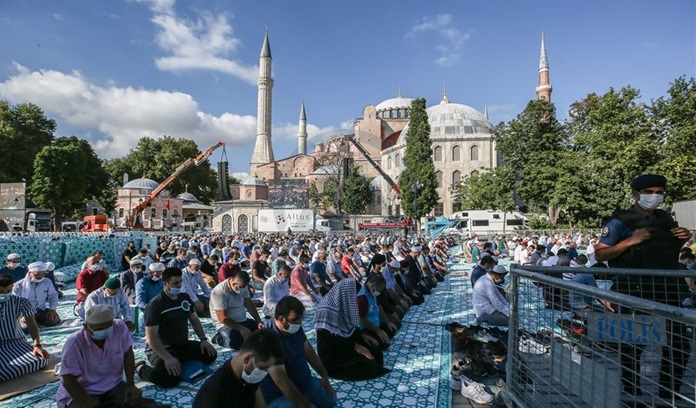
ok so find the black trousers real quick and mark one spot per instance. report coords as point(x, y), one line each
point(158, 374)
point(342, 362)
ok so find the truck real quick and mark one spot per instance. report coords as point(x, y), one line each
point(484, 221)
point(31, 220)
point(297, 220)
point(685, 213)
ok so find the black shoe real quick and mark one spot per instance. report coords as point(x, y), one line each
point(217, 339)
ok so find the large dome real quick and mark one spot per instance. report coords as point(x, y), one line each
point(453, 119)
point(142, 183)
point(394, 103)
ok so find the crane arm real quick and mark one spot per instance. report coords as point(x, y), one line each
point(377, 167)
point(178, 172)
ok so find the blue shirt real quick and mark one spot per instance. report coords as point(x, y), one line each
point(477, 273)
point(295, 362)
point(318, 268)
point(578, 300)
point(17, 273)
point(615, 231)
point(145, 290)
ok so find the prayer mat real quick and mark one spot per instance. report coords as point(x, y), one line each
point(26, 383)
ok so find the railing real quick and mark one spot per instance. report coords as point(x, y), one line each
point(568, 348)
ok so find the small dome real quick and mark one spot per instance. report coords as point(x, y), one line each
point(453, 119)
point(187, 197)
point(253, 181)
point(394, 103)
point(142, 183)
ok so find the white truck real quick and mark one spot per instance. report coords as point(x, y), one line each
point(280, 220)
point(486, 221)
point(685, 213)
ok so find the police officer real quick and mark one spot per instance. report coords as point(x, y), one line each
point(645, 237)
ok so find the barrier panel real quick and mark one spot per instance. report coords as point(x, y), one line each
point(573, 344)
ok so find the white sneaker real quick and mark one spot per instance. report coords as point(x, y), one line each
point(531, 346)
point(477, 393)
point(484, 337)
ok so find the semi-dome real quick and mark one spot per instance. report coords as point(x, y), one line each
point(142, 183)
point(453, 119)
point(394, 103)
point(186, 196)
point(253, 181)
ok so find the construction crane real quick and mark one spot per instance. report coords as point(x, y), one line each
point(190, 162)
point(377, 167)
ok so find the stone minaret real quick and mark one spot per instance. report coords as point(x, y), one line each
point(544, 89)
point(302, 133)
point(263, 149)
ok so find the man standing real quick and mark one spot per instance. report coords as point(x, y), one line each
point(291, 383)
point(229, 304)
point(167, 319)
point(94, 360)
point(645, 237)
point(40, 292)
point(112, 295)
point(14, 268)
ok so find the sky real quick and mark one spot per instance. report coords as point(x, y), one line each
point(114, 71)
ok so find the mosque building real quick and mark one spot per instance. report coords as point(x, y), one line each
point(461, 142)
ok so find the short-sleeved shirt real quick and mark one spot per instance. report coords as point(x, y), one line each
point(223, 389)
point(615, 231)
point(295, 362)
point(171, 315)
point(298, 278)
point(261, 269)
point(97, 369)
point(224, 298)
point(91, 281)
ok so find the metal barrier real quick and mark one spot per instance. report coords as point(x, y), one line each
point(573, 344)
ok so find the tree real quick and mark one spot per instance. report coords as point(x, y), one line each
point(674, 121)
point(24, 131)
point(491, 190)
point(158, 159)
point(66, 173)
point(314, 195)
point(357, 192)
point(418, 183)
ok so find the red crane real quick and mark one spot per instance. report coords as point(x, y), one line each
point(377, 167)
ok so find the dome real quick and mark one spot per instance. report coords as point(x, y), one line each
point(394, 103)
point(187, 197)
point(453, 119)
point(253, 181)
point(142, 183)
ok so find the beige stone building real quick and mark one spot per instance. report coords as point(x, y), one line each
point(164, 212)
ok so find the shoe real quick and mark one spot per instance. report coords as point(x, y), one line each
point(468, 368)
point(455, 383)
point(477, 393)
point(484, 337)
point(217, 339)
point(531, 346)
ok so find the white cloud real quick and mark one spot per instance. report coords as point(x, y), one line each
point(502, 112)
point(454, 38)
point(123, 115)
point(204, 43)
point(240, 175)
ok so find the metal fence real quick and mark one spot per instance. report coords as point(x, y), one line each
point(573, 344)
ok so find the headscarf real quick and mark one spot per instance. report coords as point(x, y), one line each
point(337, 312)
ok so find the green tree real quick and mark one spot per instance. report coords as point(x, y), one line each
point(490, 190)
point(66, 174)
point(157, 159)
point(674, 120)
point(24, 131)
point(356, 191)
point(418, 183)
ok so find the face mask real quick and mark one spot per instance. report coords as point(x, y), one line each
point(4, 297)
point(94, 268)
point(376, 293)
point(650, 201)
point(102, 334)
point(36, 280)
point(154, 278)
point(256, 376)
point(174, 291)
point(294, 328)
point(136, 270)
point(499, 281)
point(110, 295)
point(13, 265)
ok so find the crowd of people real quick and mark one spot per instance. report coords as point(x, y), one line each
point(255, 289)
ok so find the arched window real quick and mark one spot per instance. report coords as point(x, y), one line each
point(153, 212)
point(438, 176)
point(437, 153)
point(164, 213)
point(456, 178)
point(389, 163)
point(474, 153)
point(121, 211)
point(248, 194)
point(397, 161)
point(456, 153)
point(475, 173)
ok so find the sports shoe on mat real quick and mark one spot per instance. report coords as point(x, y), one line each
point(477, 393)
point(484, 337)
point(455, 378)
point(531, 346)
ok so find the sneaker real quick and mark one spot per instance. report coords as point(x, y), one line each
point(531, 346)
point(455, 383)
point(484, 337)
point(477, 393)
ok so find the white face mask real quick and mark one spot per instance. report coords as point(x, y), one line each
point(294, 328)
point(13, 265)
point(94, 268)
point(257, 375)
point(154, 278)
point(37, 280)
point(651, 201)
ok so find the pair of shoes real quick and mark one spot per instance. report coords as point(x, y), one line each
point(530, 346)
point(477, 393)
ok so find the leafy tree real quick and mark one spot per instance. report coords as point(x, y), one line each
point(419, 168)
point(491, 190)
point(157, 159)
point(24, 131)
point(674, 120)
point(357, 192)
point(66, 173)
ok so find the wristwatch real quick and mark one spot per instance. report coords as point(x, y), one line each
point(38, 345)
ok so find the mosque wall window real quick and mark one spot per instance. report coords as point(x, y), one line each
point(153, 213)
point(438, 177)
point(397, 161)
point(439, 209)
point(389, 162)
point(456, 178)
point(399, 113)
point(451, 130)
point(475, 173)
point(121, 212)
point(408, 113)
point(437, 153)
point(468, 129)
point(164, 213)
point(474, 153)
point(456, 153)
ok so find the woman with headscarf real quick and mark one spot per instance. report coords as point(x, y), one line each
point(344, 351)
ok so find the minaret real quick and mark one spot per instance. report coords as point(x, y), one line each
point(302, 133)
point(263, 149)
point(544, 89)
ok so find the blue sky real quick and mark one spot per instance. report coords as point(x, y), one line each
point(114, 71)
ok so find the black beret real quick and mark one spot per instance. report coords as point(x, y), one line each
point(648, 180)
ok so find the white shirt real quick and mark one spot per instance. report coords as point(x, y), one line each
point(273, 290)
point(590, 252)
point(119, 303)
point(191, 283)
point(38, 294)
point(487, 299)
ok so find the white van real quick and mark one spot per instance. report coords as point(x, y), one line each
point(484, 221)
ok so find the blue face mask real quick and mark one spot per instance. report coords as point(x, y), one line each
point(5, 297)
point(174, 291)
point(102, 334)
